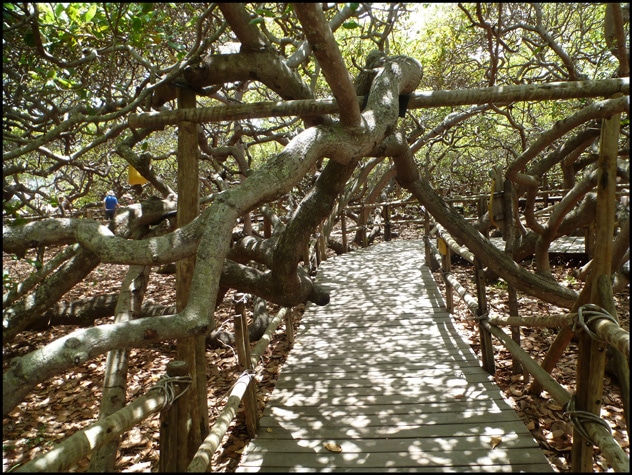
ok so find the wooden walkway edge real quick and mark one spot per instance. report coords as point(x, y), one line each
point(382, 377)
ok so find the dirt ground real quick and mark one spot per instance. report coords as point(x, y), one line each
point(70, 401)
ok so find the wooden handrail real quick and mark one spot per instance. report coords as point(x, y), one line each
point(604, 328)
point(202, 458)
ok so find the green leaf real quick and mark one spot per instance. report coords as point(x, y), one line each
point(64, 83)
point(137, 24)
point(89, 15)
point(59, 9)
point(255, 21)
point(265, 12)
point(349, 25)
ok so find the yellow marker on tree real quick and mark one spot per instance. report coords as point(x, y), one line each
point(134, 177)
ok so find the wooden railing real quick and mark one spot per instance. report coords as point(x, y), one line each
point(164, 398)
point(596, 321)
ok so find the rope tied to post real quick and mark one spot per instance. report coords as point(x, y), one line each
point(167, 385)
point(587, 314)
point(577, 418)
point(478, 318)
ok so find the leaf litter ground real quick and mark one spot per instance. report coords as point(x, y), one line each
point(70, 401)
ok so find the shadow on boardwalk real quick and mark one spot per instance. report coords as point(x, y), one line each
point(380, 380)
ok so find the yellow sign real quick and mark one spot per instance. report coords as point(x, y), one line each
point(134, 177)
point(442, 247)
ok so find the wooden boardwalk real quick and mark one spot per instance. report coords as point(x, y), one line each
point(382, 375)
point(562, 245)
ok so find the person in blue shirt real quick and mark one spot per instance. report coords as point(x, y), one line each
point(110, 203)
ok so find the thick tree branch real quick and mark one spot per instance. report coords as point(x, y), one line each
point(498, 261)
point(325, 48)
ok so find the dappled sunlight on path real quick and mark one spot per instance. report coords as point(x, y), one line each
point(380, 380)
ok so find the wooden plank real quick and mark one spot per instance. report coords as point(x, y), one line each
point(378, 420)
point(461, 406)
point(399, 390)
point(562, 245)
point(508, 442)
point(531, 467)
point(359, 397)
point(337, 370)
point(382, 372)
point(461, 459)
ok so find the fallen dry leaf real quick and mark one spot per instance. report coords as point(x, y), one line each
point(495, 441)
point(333, 447)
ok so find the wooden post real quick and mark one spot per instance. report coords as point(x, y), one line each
point(509, 233)
point(242, 342)
point(267, 227)
point(241, 332)
point(487, 350)
point(343, 226)
point(173, 422)
point(589, 240)
point(317, 250)
point(427, 250)
point(193, 349)
point(387, 222)
point(591, 359)
point(289, 328)
point(322, 246)
point(446, 265)
point(362, 223)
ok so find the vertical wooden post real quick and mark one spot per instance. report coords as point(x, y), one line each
point(322, 246)
point(173, 421)
point(242, 341)
point(428, 259)
point(509, 233)
point(591, 359)
point(317, 250)
point(289, 327)
point(446, 265)
point(589, 240)
point(362, 223)
point(193, 349)
point(343, 225)
point(487, 349)
point(241, 329)
point(387, 222)
point(267, 227)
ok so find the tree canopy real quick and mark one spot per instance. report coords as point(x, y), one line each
point(291, 111)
